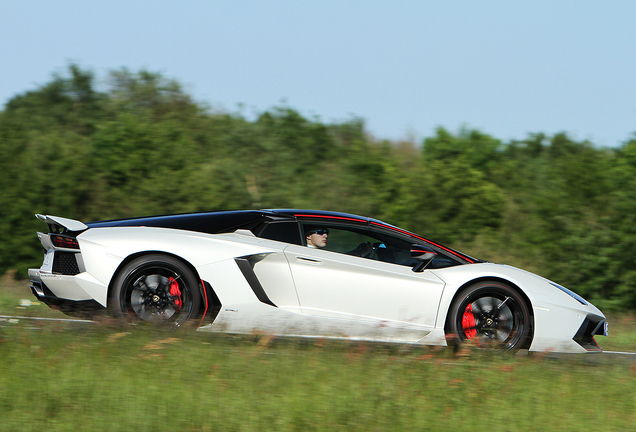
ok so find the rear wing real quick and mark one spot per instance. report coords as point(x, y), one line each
point(59, 224)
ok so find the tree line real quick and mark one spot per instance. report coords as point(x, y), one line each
point(561, 208)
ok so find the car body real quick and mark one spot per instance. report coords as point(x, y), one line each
point(252, 270)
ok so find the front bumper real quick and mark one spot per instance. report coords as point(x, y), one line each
point(567, 329)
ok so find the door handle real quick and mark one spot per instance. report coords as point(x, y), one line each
point(306, 260)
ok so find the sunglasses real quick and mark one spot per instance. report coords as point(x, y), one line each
point(319, 232)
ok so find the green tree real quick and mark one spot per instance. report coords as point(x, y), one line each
point(562, 208)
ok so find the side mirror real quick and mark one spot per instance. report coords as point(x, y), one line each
point(424, 255)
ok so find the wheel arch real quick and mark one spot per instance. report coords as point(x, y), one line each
point(210, 302)
point(512, 285)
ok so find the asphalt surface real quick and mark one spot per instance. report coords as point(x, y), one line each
point(16, 320)
point(4, 319)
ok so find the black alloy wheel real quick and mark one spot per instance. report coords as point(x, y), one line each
point(157, 289)
point(492, 315)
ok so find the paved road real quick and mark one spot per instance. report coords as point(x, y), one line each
point(6, 320)
point(15, 319)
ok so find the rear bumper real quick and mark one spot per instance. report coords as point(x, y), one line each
point(51, 288)
point(43, 294)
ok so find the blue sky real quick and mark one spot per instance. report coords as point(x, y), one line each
point(506, 68)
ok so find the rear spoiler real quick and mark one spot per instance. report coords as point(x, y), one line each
point(56, 222)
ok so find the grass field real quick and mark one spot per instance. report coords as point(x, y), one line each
point(62, 377)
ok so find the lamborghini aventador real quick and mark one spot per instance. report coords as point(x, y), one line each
point(304, 273)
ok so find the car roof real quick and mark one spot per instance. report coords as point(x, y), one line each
point(227, 221)
point(208, 222)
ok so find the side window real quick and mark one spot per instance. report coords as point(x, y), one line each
point(282, 231)
point(395, 250)
point(359, 241)
point(351, 242)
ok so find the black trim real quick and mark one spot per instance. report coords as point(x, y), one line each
point(65, 263)
point(601, 329)
point(248, 272)
point(213, 303)
point(585, 335)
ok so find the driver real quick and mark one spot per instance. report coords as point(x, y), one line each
point(317, 238)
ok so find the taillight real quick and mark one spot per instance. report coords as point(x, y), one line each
point(64, 242)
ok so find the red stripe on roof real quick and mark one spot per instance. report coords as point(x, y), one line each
point(329, 217)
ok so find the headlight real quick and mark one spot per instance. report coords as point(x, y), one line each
point(570, 293)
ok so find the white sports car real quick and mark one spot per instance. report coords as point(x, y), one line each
point(305, 273)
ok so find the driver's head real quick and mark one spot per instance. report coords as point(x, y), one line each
point(317, 237)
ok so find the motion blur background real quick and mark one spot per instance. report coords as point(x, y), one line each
point(504, 130)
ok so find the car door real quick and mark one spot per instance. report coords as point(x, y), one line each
point(336, 285)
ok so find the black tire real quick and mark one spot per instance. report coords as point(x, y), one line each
point(492, 315)
point(158, 289)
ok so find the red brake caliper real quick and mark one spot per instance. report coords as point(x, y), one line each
point(468, 322)
point(175, 292)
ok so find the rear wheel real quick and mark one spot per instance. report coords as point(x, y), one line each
point(491, 314)
point(157, 289)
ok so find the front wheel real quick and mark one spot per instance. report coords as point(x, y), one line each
point(491, 314)
point(157, 289)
